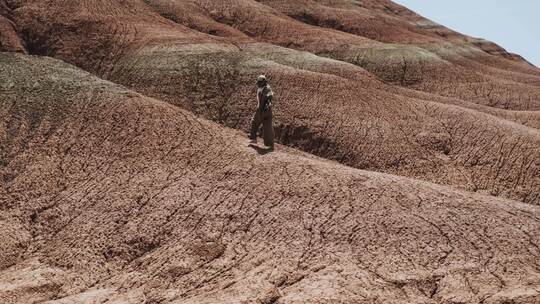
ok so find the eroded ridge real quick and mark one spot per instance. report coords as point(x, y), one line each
point(369, 84)
point(108, 195)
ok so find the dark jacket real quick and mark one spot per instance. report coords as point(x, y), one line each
point(264, 96)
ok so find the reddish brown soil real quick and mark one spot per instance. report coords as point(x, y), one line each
point(110, 196)
point(411, 101)
point(9, 39)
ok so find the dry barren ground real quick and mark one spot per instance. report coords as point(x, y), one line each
point(125, 175)
point(109, 196)
point(369, 84)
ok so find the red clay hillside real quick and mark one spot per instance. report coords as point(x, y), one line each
point(407, 168)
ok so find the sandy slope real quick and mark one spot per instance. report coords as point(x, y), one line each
point(110, 196)
point(123, 190)
point(369, 84)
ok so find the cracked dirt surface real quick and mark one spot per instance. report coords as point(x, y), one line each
point(113, 197)
point(369, 84)
point(117, 187)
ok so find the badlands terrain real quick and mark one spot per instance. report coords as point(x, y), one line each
point(408, 169)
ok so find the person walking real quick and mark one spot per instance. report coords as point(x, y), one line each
point(263, 114)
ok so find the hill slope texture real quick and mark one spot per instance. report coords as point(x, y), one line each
point(369, 84)
point(409, 170)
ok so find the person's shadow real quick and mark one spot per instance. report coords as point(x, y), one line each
point(261, 151)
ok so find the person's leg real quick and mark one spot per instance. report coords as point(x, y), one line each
point(268, 129)
point(255, 124)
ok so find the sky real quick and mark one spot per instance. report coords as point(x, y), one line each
point(514, 25)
